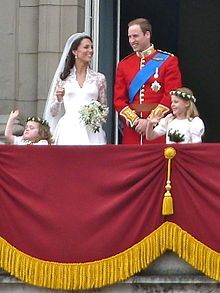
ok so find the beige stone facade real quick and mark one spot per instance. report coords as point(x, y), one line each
point(33, 33)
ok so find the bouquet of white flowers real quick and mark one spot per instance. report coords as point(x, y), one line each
point(94, 115)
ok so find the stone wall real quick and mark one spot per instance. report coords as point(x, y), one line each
point(33, 34)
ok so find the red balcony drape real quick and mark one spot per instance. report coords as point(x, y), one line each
point(70, 215)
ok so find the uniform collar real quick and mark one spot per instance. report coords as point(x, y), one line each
point(146, 52)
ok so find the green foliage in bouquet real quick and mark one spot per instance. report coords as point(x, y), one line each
point(175, 136)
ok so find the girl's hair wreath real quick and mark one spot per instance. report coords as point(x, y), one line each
point(183, 95)
point(37, 119)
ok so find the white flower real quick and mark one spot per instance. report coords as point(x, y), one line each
point(94, 115)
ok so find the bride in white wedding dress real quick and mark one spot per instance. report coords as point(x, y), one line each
point(75, 85)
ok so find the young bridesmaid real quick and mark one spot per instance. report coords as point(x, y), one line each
point(36, 132)
point(183, 125)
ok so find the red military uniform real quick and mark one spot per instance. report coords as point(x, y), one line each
point(154, 94)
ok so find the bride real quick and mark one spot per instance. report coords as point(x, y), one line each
point(75, 85)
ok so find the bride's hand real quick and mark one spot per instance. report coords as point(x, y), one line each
point(60, 92)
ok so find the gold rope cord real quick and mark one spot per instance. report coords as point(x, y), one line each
point(167, 206)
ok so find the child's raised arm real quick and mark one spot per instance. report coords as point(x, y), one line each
point(9, 126)
point(152, 119)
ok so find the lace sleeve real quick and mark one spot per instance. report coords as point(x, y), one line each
point(55, 105)
point(54, 110)
point(102, 85)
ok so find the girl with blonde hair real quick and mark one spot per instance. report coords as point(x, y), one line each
point(183, 125)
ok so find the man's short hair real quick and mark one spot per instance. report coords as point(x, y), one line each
point(144, 24)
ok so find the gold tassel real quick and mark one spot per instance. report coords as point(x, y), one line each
point(167, 206)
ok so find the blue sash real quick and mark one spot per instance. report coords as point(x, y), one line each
point(145, 73)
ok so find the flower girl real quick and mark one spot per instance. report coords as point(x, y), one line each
point(36, 132)
point(183, 125)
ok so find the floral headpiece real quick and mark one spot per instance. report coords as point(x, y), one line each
point(183, 95)
point(37, 119)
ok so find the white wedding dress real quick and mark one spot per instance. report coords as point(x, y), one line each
point(70, 130)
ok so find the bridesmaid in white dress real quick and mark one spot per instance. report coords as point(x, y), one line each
point(183, 125)
point(75, 85)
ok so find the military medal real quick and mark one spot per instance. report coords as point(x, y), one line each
point(155, 86)
point(156, 75)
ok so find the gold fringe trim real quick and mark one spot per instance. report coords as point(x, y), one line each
point(76, 276)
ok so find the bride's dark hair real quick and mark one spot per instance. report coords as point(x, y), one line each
point(70, 59)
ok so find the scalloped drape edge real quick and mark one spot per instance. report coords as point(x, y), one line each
point(100, 273)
